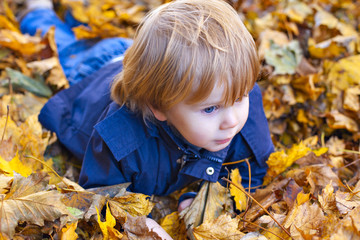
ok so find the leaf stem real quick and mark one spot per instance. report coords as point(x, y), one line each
point(45, 164)
point(262, 228)
point(6, 121)
point(283, 228)
point(350, 151)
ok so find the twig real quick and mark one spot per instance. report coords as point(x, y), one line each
point(248, 199)
point(45, 164)
point(6, 121)
point(349, 164)
point(350, 151)
point(262, 228)
point(283, 228)
point(231, 163)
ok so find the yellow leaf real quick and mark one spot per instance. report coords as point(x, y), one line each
point(22, 43)
point(280, 161)
point(107, 227)
point(6, 24)
point(68, 232)
point(302, 197)
point(174, 226)
point(337, 120)
point(12, 131)
point(136, 204)
point(19, 167)
point(5, 167)
point(351, 99)
point(239, 197)
point(320, 151)
point(343, 74)
point(223, 227)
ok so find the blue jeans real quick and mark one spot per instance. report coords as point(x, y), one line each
point(78, 58)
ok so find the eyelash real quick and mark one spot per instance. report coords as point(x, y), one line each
point(211, 109)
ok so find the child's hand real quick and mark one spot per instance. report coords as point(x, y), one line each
point(184, 204)
point(155, 227)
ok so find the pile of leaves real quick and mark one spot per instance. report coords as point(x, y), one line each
point(311, 91)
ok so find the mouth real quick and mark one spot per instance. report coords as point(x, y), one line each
point(223, 141)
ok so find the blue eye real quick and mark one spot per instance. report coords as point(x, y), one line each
point(209, 109)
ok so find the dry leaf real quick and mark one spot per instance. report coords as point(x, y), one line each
point(239, 196)
point(33, 208)
point(68, 232)
point(174, 226)
point(107, 227)
point(223, 227)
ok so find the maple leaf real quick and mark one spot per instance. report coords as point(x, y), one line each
point(223, 227)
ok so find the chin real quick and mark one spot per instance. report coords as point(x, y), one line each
point(217, 148)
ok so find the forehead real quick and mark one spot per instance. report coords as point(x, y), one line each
point(215, 97)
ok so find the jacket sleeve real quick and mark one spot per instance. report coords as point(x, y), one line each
point(100, 168)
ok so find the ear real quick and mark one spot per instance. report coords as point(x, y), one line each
point(159, 115)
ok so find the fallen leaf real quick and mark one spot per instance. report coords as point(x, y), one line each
point(135, 204)
point(239, 197)
point(136, 229)
point(327, 200)
point(174, 226)
point(223, 227)
point(68, 232)
point(34, 208)
point(107, 227)
point(306, 219)
point(209, 203)
point(285, 59)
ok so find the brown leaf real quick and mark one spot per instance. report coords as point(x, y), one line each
point(22, 186)
point(208, 204)
point(79, 200)
point(327, 200)
point(345, 202)
point(97, 202)
point(305, 219)
point(136, 229)
point(223, 227)
point(34, 208)
point(320, 175)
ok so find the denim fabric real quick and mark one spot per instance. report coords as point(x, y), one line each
point(78, 58)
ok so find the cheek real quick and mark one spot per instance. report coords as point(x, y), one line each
point(198, 133)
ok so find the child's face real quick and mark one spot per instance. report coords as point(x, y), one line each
point(208, 124)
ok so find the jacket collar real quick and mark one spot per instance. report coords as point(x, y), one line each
point(191, 151)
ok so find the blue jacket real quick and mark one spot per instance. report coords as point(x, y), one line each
point(116, 146)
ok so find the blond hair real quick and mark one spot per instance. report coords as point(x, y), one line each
point(181, 51)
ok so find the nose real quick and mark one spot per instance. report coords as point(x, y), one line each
point(230, 118)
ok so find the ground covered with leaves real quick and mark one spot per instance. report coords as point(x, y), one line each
point(311, 91)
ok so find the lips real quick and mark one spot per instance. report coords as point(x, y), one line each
point(223, 141)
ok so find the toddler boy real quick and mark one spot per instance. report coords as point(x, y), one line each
point(183, 104)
